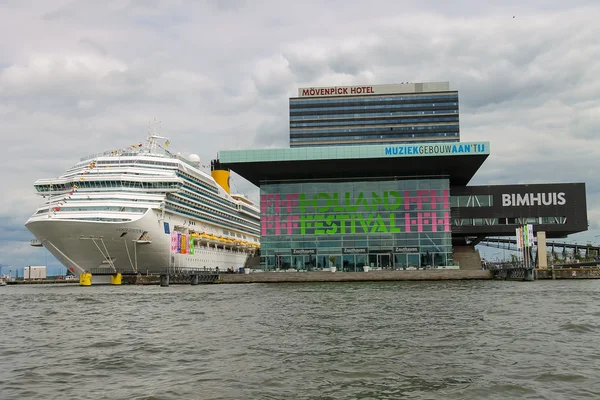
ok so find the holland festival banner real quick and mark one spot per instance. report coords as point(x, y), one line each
point(183, 244)
point(530, 235)
point(525, 236)
point(191, 245)
point(174, 242)
point(344, 212)
point(519, 234)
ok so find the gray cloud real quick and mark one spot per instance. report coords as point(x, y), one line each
point(82, 77)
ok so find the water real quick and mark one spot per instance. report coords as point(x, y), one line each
point(417, 340)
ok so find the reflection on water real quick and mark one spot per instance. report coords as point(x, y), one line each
point(419, 340)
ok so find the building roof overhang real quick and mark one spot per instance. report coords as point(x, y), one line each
point(459, 161)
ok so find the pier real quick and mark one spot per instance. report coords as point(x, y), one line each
point(207, 277)
point(201, 276)
point(514, 274)
point(371, 276)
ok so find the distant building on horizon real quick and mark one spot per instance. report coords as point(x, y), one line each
point(374, 114)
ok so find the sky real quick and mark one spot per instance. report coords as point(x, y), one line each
point(81, 77)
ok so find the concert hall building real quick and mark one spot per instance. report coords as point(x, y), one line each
point(393, 205)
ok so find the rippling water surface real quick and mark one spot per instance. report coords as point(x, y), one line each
point(418, 340)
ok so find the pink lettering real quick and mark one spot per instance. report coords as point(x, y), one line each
point(290, 201)
point(409, 222)
point(408, 200)
point(266, 224)
point(445, 222)
point(429, 219)
point(271, 206)
point(423, 219)
point(430, 196)
point(290, 222)
point(267, 203)
point(444, 198)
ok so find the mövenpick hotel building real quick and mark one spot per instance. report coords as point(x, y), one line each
point(375, 114)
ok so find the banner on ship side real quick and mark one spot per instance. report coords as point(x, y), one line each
point(191, 245)
point(174, 243)
point(183, 244)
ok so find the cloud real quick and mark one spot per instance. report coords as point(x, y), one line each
point(47, 74)
point(273, 76)
point(77, 78)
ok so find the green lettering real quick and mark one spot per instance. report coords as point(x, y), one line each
point(330, 221)
point(396, 198)
point(365, 224)
point(327, 199)
point(375, 201)
point(362, 201)
point(318, 224)
point(348, 201)
point(352, 223)
point(393, 227)
point(305, 222)
point(379, 225)
point(305, 203)
point(337, 207)
point(342, 218)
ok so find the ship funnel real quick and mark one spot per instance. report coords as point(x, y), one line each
point(220, 175)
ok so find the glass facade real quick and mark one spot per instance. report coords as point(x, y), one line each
point(391, 224)
point(374, 119)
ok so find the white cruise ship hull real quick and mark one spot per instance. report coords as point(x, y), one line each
point(107, 246)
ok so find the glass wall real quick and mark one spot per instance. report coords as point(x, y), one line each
point(374, 119)
point(393, 224)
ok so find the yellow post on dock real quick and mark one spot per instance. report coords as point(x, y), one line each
point(116, 279)
point(85, 279)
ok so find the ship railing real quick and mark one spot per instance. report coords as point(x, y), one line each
point(122, 153)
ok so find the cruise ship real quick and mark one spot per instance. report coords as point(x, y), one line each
point(144, 209)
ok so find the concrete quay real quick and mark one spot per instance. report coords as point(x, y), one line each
point(371, 276)
point(41, 282)
point(569, 273)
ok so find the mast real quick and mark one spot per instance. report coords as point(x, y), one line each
point(153, 135)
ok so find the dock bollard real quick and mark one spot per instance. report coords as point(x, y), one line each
point(529, 276)
point(116, 279)
point(164, 280)
point(194, 279)
point(85, 279)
